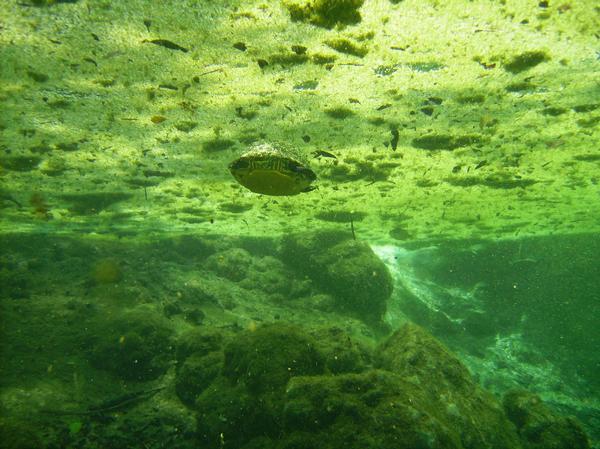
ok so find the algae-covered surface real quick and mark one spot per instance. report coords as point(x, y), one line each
point(456, 119)
point(436, 286)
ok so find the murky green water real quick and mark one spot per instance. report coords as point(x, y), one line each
point(419, 267)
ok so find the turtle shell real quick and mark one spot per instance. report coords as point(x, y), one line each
point(272, 170)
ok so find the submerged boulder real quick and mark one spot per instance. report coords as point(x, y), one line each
point(230, 264)
point(286, 388)
point(373, 409)
point(199, 361)
point(196, 374)
point(266, 274)
point(349, 270)
point(245, 402)
point(15, 434)
point(133, 346)
point(539, 427)
point(265, 359)
point(461, 404)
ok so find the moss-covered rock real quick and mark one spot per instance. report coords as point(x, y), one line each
point(196, 374)
point(199, 361)
point(347, 269)
point(283, 388)
point(265, 274)
point(269, 275)
point(342, 354)
point(159, 421)
point(199, 341)
point(265, 359)
point(374, 409)
point(134, 346)
point(19, 435)
point(415, 355)
point(230, 264)
point(539, 427)
point(230, 417)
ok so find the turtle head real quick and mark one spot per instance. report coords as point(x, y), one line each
point(239, 164)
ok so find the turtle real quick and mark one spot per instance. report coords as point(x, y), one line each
point(273, 169)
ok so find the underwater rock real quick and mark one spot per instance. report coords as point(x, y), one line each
point(198, 341)
point(342, 354)
point(539, 427)
point(133, 346)
point(265, 274)
point(269, 275)
point(285, 388)
point(230, 264)
point(159, 422)
point(374, 409)
point(229, 417)
point(199, 361)
point(245, 406)
point(297, 249)
point(190, 247)
point(245, 402)
point(415, 355)
point(265, 359)
point(196, 374)
point(15, 434)
point(349, 270)
point(358, 279)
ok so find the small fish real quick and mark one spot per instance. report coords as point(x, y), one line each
point(395, 138)
point(111, 405)
point(322, 153)
point(90, 60)
point(166, 43)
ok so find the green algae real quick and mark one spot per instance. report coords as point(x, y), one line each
point(325, 13)
point(444, 142)
point(348, 47)
point(526, 61)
